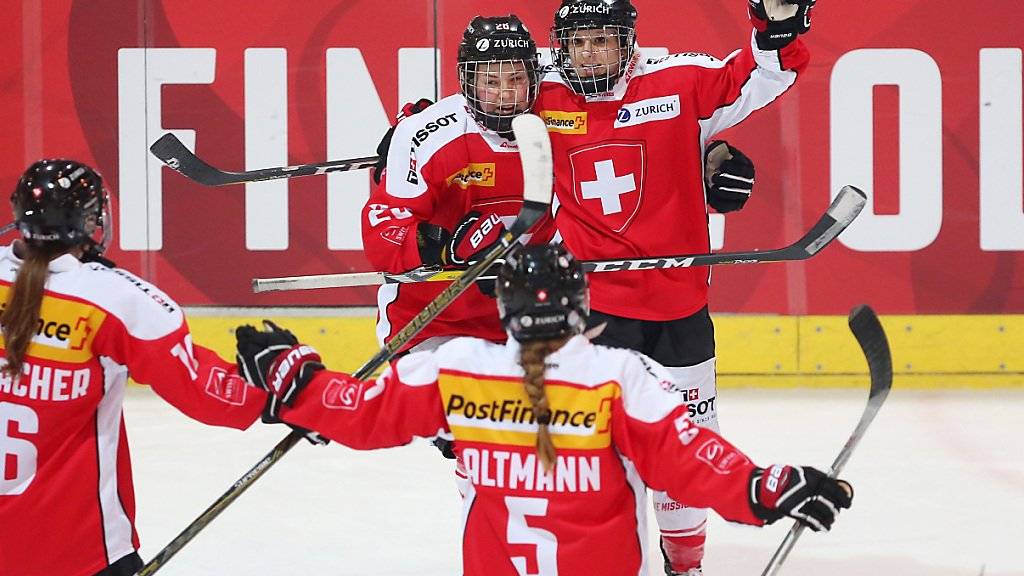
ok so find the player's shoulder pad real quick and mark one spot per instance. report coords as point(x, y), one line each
point(144, 309)
point(682, 59)
point(439, 124)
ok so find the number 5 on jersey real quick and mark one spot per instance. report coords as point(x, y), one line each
point(519, 532)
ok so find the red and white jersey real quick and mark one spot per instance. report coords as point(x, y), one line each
point(67, 503)
point(629, 166)
point(441, 166)
point(619, 425)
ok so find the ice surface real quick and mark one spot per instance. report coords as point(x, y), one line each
point(939, 482)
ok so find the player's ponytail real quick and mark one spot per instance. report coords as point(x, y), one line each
point(532, 355)
point(20, 317)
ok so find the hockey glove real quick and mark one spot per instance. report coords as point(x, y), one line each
point(432, 241)
point(409, 109)
point(728, 176)
point(473, 237)
point(800, 492)
point(779, 22)
point(275, 361)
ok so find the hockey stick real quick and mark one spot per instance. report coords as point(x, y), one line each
point(535, 155)
point(174, 154)
point(868, 331)
point(846, 206)
point(8, 227)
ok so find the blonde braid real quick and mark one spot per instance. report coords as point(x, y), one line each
point(531, 357)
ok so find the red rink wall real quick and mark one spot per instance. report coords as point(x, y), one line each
point(917, 102)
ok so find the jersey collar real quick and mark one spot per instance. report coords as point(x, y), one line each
point(62, 263)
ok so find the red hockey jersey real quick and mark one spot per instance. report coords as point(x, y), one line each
point(441, 166)
point(67, 504)
point(618, 423)
point(629, 166)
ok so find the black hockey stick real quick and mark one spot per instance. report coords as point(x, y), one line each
point(846, 206)
point(868, 331)
point(535, 154)
point(174, 154)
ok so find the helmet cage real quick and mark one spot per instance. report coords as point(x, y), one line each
point(495, 91)
point(603, 77)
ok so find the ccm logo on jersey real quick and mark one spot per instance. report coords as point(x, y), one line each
point(565, 122)
point(650, 110)
point(343, 394)
point(474, 174)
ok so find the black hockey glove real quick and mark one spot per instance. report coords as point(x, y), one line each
point(432, 241)
point(447, 447)
point(385, 143)
point(274, 360)
point(728, 176)
point(800, 492)
point(779, 22)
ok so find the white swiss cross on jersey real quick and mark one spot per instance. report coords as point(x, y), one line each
point(608, 181)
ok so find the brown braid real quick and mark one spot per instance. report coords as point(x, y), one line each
point(531, 357)
point(20, 318)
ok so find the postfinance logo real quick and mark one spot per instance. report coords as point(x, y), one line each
point(499, 411)
point(65, 330)
point(475, 174)
point(565, 122)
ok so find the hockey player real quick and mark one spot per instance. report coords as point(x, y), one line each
point(631, 134)
point(452, 181)
point(74, 328)
point(560, 437)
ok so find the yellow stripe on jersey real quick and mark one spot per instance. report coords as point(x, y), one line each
point(65, 330)
point(498, 411)
point(565, 122)
point(474, 174)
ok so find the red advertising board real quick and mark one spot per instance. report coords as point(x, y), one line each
point(917, 102)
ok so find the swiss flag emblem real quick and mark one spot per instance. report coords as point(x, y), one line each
point(608, 181)
point(343, 394)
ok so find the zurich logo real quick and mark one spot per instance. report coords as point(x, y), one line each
point(624, 115)
point(483, 45)
point(563, 12)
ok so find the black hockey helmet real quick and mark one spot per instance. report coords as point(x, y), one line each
point(617, 17)
point(62, 201)
point(542, 293)
point(492, 48)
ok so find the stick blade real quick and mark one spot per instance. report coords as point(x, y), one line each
point(535, 155)
point(173, 152)
point(872, 339)
point(846, 206)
